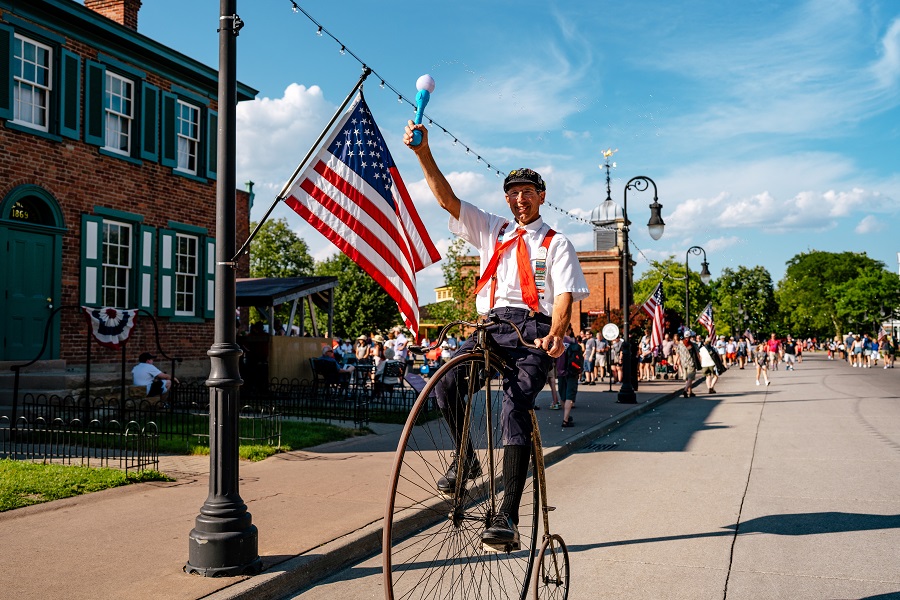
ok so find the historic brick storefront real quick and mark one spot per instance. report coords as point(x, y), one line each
point(107, 180)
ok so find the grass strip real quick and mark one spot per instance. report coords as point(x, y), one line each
point(25, 483)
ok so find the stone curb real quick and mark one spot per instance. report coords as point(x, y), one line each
point(309, 568)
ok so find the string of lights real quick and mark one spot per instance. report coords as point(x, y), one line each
point(321, 31)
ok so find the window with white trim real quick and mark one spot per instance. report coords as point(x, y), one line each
point(186, 260)
point(119, 108)
point(32, 77)
point(117, 246)
point(188, 128)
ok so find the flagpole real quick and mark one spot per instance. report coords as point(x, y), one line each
point(366, 72)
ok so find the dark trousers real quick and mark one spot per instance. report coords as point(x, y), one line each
point(523, 378)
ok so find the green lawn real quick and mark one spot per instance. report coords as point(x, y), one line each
point(294, 436)
point(23, 483)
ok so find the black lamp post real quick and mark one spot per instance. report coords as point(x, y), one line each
point(655, 226)
point(224, 540)
point(705, 277)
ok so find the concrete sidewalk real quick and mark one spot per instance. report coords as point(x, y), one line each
point(317, 510)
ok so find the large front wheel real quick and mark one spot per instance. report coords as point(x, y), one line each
point(432, 541)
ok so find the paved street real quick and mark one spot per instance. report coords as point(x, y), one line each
point(790, 491)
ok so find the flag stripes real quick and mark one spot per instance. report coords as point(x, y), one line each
point(352, 193)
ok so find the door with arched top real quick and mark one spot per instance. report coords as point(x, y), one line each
point(30, 252)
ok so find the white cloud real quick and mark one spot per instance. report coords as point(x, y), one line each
point(273, 134)
point(887, 68)
point(870, 224)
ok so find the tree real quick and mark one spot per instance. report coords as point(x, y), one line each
point(864, 301)
point(671, 273)
point(745, 299)
point(807, 297)
point(360, 304)
point(276, 251)
point(460, 277)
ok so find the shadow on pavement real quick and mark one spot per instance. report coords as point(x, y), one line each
point(787, 524)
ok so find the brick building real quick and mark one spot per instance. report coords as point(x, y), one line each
point(107, 182)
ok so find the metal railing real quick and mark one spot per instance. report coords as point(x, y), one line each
point(127, 446)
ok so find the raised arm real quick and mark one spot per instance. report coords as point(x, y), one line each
point(439, 185)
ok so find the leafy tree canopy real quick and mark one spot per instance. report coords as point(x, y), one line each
point(671, 273)
point(277, 251)
point(461, 282)
point(360, 304)
point(745, 298)
point(808, 295)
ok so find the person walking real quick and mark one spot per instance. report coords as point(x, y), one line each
point(567, 375)
point(708, 367)
point(516, 255)
point(590, 358)
point(761, 358)
point(689, 360)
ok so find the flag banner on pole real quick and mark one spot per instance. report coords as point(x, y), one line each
point(749, 336)
point(110, 326)
point(706, 319)
point(351, 192)
point(881, 333)
point(655, 307)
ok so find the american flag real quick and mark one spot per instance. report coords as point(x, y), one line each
point(655, 307)
point(881, 333)
point(706, 319)
point(352, 193)
point(749, 336)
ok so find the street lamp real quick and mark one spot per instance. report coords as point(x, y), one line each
point(655, 227)
point(705, 277)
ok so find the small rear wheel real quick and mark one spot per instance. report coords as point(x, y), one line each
point(551, 581)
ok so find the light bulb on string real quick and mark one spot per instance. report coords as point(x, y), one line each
point(343, 51)
point(319, 31)
point(400, 99)
point(382, 84)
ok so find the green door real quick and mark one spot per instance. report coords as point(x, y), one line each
point(30, 274)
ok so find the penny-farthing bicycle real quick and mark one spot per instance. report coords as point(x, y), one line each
point(432, 545)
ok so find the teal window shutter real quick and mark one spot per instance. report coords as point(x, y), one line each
point(209, 279)
point(6, 80)
point(168, 123)
point(144, 263)
point(91, 260)
point(166, 268)
point(149, 122)
point(94, 103)
point(70, 94)
point(212, 138)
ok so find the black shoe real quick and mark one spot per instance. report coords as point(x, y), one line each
point(569, 423)
point(502, 535)
point(447, 484)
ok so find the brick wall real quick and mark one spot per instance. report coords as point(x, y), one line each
point(80, 178)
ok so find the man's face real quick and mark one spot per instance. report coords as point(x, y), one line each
point(525, 202)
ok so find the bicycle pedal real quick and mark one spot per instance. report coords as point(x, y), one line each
point(507, 548)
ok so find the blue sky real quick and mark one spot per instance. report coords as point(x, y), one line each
point(770, 128)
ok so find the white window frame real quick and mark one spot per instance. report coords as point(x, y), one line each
point(118, 105)
point(117, 265)
point(26, 90)
point(187, 274)
point(187, 124)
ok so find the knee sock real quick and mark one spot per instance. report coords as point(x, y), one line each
point(515, 470)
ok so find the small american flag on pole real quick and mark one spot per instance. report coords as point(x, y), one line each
point(655, 307)
point(352, 193)
point(881, 333)
point(706, 319)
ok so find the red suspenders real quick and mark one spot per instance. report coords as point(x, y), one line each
point(540, 267)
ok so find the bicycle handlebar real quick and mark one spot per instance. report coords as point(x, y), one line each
point(479, 325)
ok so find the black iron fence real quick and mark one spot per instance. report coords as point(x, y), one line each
point(127, 446)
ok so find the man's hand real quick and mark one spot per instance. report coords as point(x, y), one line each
point(408, 137)
point(552, 345)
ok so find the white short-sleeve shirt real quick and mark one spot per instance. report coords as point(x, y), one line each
point(144, 374)
point(563, 271)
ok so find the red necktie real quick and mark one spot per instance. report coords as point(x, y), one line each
point(523, 262)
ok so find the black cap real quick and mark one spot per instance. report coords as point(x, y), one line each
point(524, 176)
point(145, 356)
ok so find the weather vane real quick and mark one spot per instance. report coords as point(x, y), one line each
point(607, 154)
